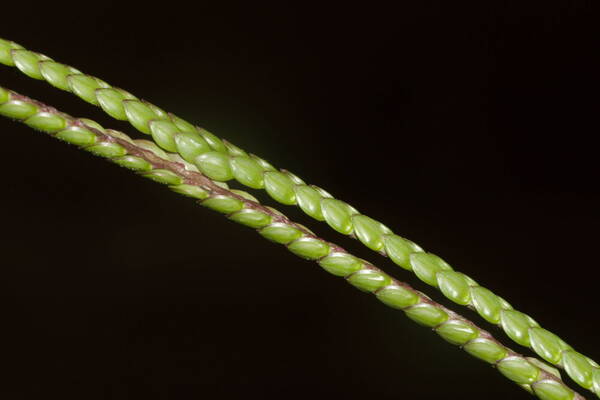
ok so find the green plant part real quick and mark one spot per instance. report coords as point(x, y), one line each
point(222, 161)
point(182, 177)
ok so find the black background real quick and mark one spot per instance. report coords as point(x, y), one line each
point(466, 127)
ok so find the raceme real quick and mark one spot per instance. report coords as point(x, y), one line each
point(151, 162)
point(223, 161)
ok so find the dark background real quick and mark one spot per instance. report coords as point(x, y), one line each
point(468, 128)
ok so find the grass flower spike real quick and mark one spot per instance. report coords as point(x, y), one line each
point(222, 161)
point(183, 177)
